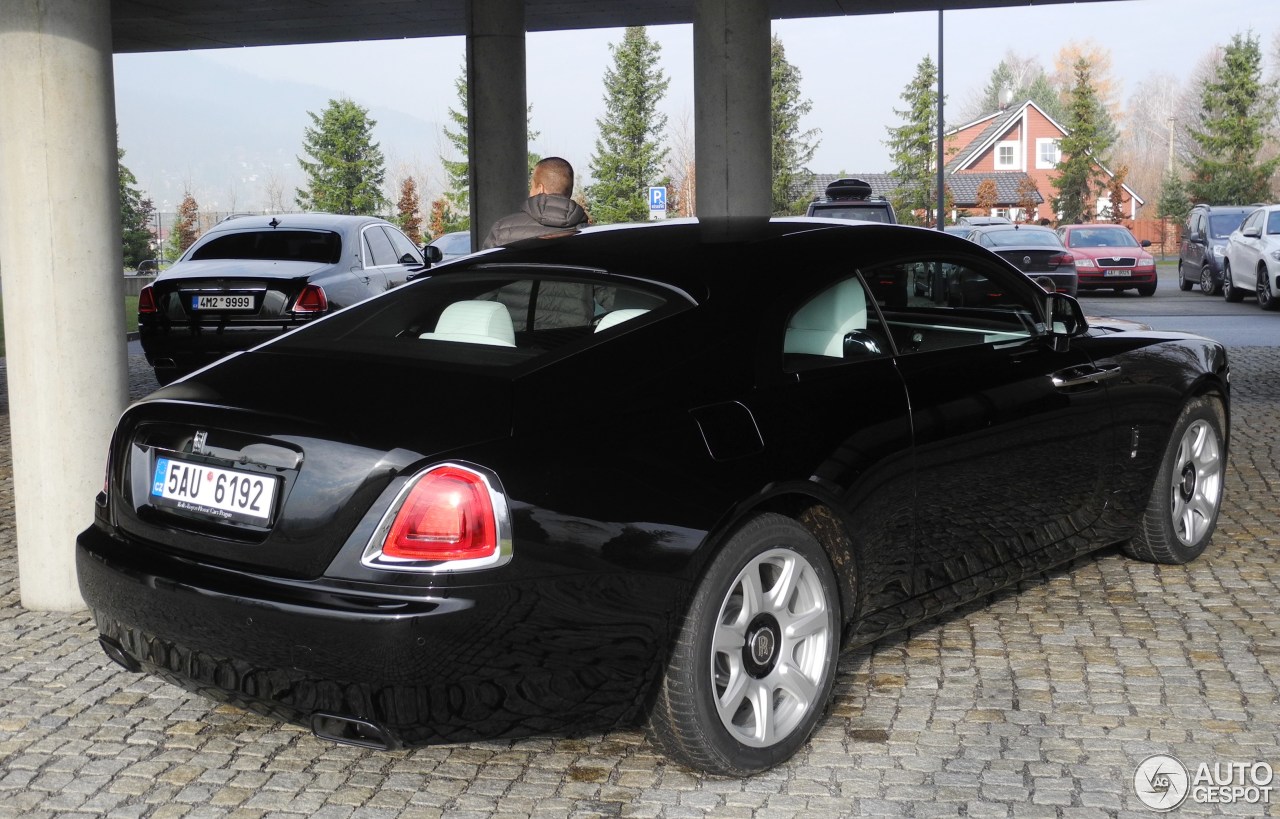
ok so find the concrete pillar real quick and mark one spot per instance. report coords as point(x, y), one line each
point(732, 140)
point(497, 112)
point(63, 290)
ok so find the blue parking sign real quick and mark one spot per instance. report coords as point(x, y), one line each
point(657, 198)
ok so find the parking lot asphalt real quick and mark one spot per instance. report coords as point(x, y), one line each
point(1038, 701)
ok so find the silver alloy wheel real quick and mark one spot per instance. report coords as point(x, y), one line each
point(1206, 281)
point(770, 648)
point(1196, 480)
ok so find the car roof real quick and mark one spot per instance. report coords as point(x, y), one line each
point(692, 254)
point(298, 221)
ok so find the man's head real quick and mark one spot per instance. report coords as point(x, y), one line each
point(552, 175)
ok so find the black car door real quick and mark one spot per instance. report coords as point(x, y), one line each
point(1011, 437)
point(833, 412)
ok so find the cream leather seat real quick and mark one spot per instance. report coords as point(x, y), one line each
point(475, 322)
point(819, 327)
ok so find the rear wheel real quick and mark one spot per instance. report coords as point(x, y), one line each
point(1207, 285)
point(755, 661)
point(1229, 290)
point(1184, 284)
point(1266, 298)
point(1183, 510)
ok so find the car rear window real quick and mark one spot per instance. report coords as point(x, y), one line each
point(321, 246)
point(492, 318)
point(864, 213)
point(1024, 238)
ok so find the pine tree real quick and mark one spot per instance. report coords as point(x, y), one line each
point(456, 212)
point(1078, 180)
point(185, 228)
point(1237, 112)
point(135, 216)
point(346, 170)
point(1175, 201)
point(629, 155)
point(793, 149)
point(911, 145)
point(407, 216)
point(457, 196)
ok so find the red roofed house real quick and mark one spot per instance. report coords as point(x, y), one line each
point(1019, 140)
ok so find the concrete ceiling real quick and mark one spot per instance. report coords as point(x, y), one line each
point(179, 25)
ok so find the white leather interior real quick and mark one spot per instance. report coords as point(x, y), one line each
point(820, 326)
point(475, 322)
point(616, 317)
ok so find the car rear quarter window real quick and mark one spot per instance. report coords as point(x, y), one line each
point(493, 319)
point(378, 249)
point(321, 246)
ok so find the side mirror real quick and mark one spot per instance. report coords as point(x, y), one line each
point(1064, 319)
point(860, 344)
point(432, 254)
point(1146, 243)
point(1253, 234)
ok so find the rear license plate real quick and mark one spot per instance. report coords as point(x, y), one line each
point(1117, 273)
point(222, 303)
point(220, 494)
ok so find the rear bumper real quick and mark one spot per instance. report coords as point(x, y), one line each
point(184, 348)
point(555, 656)
point(1136, 278)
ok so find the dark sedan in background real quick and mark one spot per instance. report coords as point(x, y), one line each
point(1036, 251)
point(651, 473)
point(251, 278)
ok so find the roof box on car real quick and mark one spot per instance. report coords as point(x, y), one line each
point(848, 189)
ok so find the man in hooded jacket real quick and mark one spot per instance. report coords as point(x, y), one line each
point(547, 210)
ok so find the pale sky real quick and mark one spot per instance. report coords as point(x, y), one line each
point(853, 70)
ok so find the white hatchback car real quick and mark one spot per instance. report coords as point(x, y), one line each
point(1253, 259)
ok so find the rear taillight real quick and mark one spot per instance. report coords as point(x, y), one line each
point(311, 300)
point(449, 517)
point(1061, 260)
point(147, 301)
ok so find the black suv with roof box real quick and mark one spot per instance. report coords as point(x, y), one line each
point(852, 199)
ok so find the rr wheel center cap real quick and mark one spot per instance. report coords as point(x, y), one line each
point(760, 652)
point(1188, 487)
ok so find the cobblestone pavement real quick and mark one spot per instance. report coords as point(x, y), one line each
point(1039, 701)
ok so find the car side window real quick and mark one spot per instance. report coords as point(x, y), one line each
point(1253, 223)
point(378, 249)
point(835, 325)
point(1273, 222)
point(406, 252)
point(940, 303)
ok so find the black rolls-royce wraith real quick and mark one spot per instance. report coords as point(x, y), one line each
point(654, 473)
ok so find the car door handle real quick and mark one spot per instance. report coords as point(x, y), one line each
point(1084, 375)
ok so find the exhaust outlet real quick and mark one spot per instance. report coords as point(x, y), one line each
point(118, 655)
point(351, 731)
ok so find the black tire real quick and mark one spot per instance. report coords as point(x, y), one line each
point(1230, 292)
point(687, 720)
point(1187, 496)
point(1266, 298)
point(1207, 285)
point(1147, 289)
point(1184, 284)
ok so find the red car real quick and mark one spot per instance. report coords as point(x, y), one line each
point(1107, 256)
